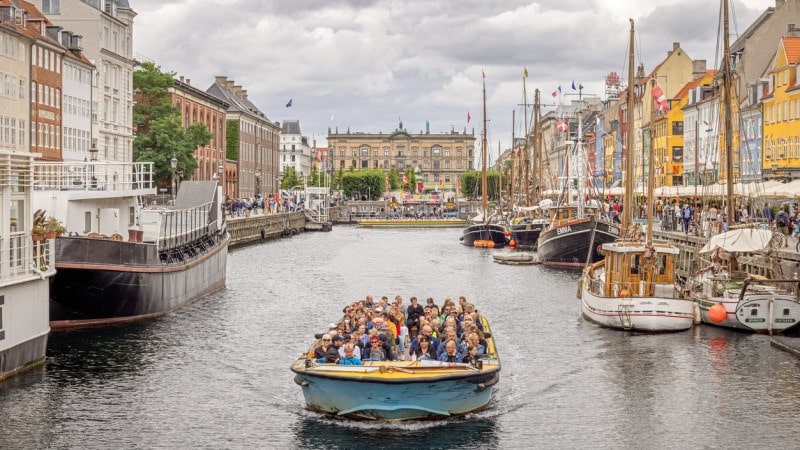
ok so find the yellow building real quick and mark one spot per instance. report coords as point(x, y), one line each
point(781, 142)
point(440, 158)
point(668, 136)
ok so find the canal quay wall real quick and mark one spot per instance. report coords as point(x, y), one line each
point(781, 262)
point(256, 226)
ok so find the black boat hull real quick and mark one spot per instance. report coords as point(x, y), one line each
point(568, 245)
point(99, 291)
point(526, 235)
point(484, 232)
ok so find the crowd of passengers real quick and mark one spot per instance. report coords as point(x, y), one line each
point(389, 330)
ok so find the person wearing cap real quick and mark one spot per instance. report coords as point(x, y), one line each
point(350, 339)
point(338, 342)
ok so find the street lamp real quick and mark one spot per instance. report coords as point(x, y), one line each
point(258, 182)
point(93, 158)
point(174, 163)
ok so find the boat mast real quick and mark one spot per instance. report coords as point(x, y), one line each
point(526, 184)
point(627, 203)
point(727, 92)
point(537, 145)
point(484, 191)
point(512, 198)
point(579, 154)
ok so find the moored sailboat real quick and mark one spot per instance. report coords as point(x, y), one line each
point(484, 232)
point(725, 296)
point(633, 288)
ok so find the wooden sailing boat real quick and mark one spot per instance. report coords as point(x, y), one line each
point(578, 228)
point(634, 287)
point(530, 219)
point(485, 233)
point(724, 295)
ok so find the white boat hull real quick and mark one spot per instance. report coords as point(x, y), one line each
point(757, 313)
point(650, 314)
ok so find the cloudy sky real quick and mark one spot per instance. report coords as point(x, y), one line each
point(366, 63)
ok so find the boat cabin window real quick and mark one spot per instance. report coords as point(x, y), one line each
point(87, 222)
point(786, 311)
point(661, 264)
point(635, 261)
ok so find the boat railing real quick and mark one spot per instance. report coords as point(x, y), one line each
point(179, 227)
point(634, 289)
point(93, 176)
point(21, 257)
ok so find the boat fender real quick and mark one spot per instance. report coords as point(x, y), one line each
point(717, 313)
point(300, 382)
point(580, 287)
point(696, 314)
point(263, 233)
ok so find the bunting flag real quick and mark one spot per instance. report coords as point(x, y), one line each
point(468, 117)
point(562, 127)
point(458, 191)
point(573, 85)
point(289, 105)
point(333, 114)
point(660, 99)
point(554, 94)
point(525, 72)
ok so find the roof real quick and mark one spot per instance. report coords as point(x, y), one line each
point(291, 127)
point(791, 45)
point(237, 103)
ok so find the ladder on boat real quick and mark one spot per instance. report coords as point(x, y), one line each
point(625, 314)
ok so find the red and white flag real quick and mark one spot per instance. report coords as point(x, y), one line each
point(661, 103)
point(468, 117)
point(441, 181)
point(459, 186)
point(562, 127)
point(420, 187)
point(405, 179)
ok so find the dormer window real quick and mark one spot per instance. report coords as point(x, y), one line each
point(51, 6)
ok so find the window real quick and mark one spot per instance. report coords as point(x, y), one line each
point(51, 6)
point(87, 222)
point(677, 128)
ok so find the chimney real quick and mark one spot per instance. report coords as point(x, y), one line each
point(222, 80)
point(675, 46)
point(188, 81)
point(180, 78)
point(230, 84)
point(243, 93)
point(698, 68)
point(237, 90)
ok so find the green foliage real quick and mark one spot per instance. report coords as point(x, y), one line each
point(369, 182)
point(412, 179)
point(290, 178)
point(471, 184)
point(159, 133)
point(232, 140)
point(394, 179)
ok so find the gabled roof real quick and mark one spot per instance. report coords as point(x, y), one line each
point(237, 103)
point(791, 46)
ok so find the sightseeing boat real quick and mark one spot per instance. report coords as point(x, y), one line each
point(26, 267)
point(398, 390)
point(173, 255)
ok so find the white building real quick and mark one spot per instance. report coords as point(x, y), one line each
point(76, 106)
point(107, 28)
point(295, 151)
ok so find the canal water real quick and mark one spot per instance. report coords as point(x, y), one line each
point(216, 374)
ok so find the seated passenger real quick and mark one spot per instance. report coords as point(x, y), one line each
point(471, 357)
point(427, 331)
point(326, 353)
point(351, 339)
point(349, 358)
point(451, 354)
point(375, 351)
point(424, 350)
point(473, 340)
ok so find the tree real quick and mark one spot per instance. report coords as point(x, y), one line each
point(290, 178)
point(159, 134)
point(394, 179)
point(412, 179)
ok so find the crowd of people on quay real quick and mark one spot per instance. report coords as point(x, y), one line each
point(269, 205)
point(384, 330)
point(703, 218)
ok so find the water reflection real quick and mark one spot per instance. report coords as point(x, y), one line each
point(457, 433)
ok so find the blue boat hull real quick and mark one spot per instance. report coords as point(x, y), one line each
point(397, 401)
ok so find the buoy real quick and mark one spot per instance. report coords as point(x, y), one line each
point(512, 243)
point(507, 233)
point(624, 293)
point(479, 243)
point(489, 244)
point(717, 313)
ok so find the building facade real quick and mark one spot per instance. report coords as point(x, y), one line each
point(438, 159)
point(258, 149)
point(107, 30)
point(197, 106)
point(15, 112)
point(295, 149)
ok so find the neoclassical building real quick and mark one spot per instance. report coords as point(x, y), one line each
point(440, 158)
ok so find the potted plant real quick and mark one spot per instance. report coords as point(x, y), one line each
point(53, 228)
point(38, 232)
